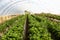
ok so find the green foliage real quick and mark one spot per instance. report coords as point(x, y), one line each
point(37, 30)
point(16, 30)
point(8, 23)
point(40, 27)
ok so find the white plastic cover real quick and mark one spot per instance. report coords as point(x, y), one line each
point(8, 7)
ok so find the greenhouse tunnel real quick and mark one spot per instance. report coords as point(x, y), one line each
point(29, 20)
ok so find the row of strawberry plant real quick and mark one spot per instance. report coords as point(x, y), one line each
point(16, 30)
point(37, 30)
point(50, 16)
point(8, 23)
point(53, 27)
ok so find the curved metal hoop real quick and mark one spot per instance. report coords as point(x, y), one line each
point(11, 4)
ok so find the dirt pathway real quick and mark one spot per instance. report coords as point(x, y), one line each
point(55, 20)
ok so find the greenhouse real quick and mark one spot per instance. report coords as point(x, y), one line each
point(29, 20)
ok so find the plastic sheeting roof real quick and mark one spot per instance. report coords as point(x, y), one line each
point(8, 7)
